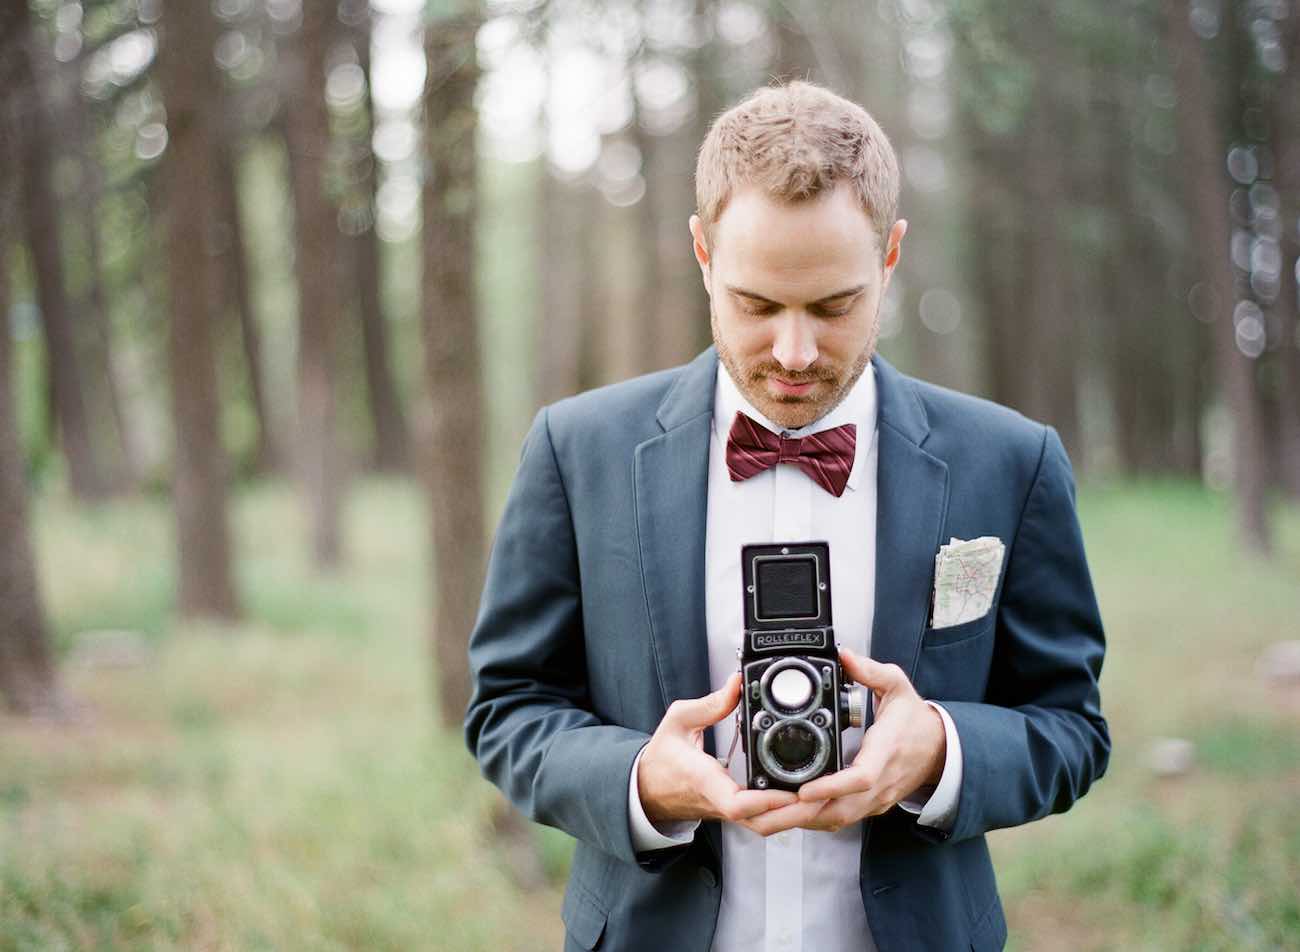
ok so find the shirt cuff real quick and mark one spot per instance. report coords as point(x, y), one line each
point(649, 836)
point(939, 809)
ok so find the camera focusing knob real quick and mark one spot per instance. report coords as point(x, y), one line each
point(857, 703)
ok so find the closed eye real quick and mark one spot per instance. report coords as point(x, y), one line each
point(764, 310)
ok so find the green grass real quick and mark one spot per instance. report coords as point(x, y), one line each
point(276, 785)
point(1209, 860)
point(282, 784)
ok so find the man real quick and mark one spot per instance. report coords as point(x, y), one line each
point(604, 650)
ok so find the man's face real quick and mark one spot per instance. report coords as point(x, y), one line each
point(794, 297)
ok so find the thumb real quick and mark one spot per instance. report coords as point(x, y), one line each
point(881, 678)
point(708, 710)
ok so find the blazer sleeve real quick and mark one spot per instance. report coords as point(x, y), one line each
point(1038, 740)
point(529, 722)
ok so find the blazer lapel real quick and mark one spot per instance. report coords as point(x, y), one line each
point(911, 501)
point(672, 480)
point(671, 474)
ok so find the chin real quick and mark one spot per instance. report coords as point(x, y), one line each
point(792, 413)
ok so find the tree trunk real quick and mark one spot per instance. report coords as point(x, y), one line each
point(592, 298)
point(42, 222)
point(189, 85)
point(73, 111)
point(1125, 298)
point(317, 238)
point(995, 217)
point(1055, 340)
point(674, 302)
point(1207, 198)
point(562, 229)
point(28, 684)
point(1286, 176)
point(559, 334)
point(27, 677)
point(392, 443)
point(453, 459)
point(622, 269)
point(236, 295)
point(709, 70)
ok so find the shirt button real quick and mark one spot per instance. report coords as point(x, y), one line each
point(708, 876)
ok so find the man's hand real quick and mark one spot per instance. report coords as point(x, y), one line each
point(677, 780)
point(904, 749)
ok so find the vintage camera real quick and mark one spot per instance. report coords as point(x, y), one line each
point(794, 700)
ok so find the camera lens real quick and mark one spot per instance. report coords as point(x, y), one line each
point(794, 750)
point(793, 746)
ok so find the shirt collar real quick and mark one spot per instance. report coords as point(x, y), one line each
point(857, 407)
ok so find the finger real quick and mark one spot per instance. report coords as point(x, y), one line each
point(842, 783)
point(747, 804)
point(784, 818)
point(716, 785)
point(707, 710)
point(879, 677)
point(732, 802)
point(837, 814)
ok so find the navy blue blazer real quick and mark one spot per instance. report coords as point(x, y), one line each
point(592, 621)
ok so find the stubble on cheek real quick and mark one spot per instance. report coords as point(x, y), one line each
point(798, 410)
point(749, 379)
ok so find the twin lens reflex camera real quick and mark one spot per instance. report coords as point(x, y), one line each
point(794, 700)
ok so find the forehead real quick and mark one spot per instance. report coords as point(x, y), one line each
point(805, 247)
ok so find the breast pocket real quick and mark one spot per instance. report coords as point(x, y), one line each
point(954, 662)
point(951, 634)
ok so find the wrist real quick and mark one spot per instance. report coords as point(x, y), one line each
point(939, 757)
point(645, 786)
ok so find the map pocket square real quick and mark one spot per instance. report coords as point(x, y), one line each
point(966, 575)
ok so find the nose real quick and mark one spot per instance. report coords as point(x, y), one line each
point(795, 344)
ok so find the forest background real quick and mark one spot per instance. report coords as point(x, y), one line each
point(263, 261)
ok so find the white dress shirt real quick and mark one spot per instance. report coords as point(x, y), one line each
point(797, 890)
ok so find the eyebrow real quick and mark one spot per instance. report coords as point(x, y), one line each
point(753, 295)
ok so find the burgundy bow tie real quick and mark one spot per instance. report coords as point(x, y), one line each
point(826, 456)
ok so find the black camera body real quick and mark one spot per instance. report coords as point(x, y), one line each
point(794, 701)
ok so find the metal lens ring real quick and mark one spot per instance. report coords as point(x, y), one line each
point(821, 752)
point(788, 664)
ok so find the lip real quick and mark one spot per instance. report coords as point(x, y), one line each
point(792, 389)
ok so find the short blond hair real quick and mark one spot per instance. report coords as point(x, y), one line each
point(795, 140)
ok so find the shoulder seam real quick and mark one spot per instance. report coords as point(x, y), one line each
point(1033, 484)
point(555, 461)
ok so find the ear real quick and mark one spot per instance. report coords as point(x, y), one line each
point(893, 249)
point(701, 249)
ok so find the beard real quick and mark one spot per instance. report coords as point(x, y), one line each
point(788, 410)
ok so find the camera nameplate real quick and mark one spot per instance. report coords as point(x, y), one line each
point(781, 640)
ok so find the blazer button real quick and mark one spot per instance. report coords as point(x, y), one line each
point(708, 876)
